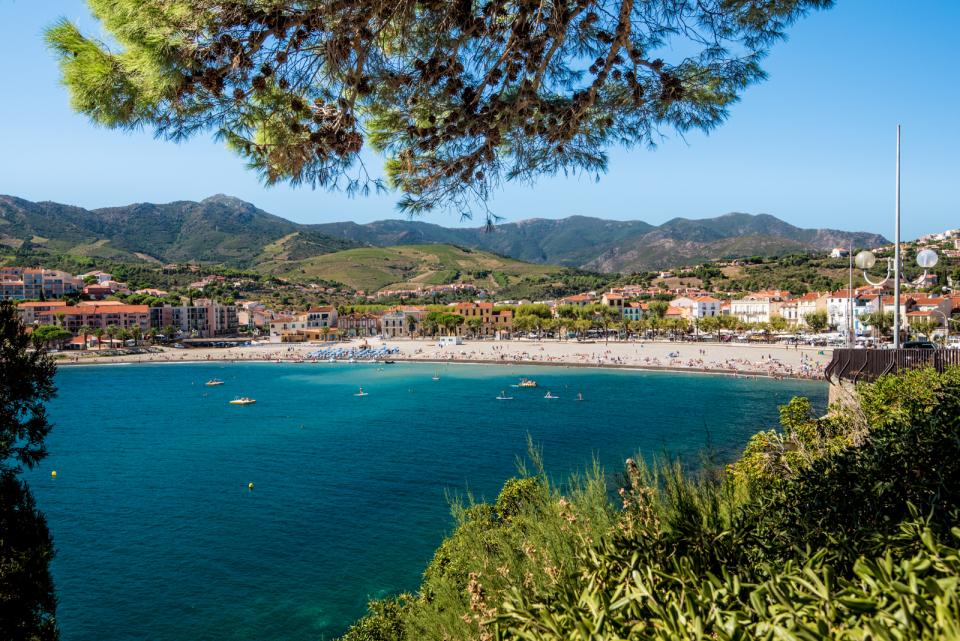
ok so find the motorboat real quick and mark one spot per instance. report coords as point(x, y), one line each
point(550, 395)
point(527, 382)
point(214, 381)
point(243, 400)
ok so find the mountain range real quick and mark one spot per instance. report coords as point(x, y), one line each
point(222, 229)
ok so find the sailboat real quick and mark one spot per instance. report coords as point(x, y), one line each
point(550, 395)
point(503, 396)
point(436, 376)
point(361, 392)
point(579, 396)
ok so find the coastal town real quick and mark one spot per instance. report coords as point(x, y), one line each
point(93, 316)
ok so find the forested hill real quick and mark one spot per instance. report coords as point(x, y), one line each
point(230, 231)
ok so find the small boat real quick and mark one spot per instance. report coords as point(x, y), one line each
point(389, 362)
point(243, 400)
point(550, 395)
point(214, 381)
point(579, 396)
point(526, 382)
point(503, 396)
point(436, 376)
point(361, 392)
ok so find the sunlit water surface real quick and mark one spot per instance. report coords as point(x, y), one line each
point(158, 536)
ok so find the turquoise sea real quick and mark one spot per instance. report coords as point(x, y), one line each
point(158, 536)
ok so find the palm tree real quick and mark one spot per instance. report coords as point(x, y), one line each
point(98, 332)
point(85, 330)
point(111, 334)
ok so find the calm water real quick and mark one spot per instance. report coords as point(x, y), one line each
point(159, 538)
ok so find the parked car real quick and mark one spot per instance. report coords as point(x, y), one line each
point(919, 345)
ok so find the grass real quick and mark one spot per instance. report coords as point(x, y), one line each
point(375, 268)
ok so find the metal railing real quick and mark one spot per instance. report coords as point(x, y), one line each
point(864, 365)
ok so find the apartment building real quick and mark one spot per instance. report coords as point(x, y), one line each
point(27, 283)
point(97, 315)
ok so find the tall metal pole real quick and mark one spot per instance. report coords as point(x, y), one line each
point(896, 258)
point(850, 329)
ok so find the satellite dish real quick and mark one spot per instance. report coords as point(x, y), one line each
point(927, 258)
point(865, 260)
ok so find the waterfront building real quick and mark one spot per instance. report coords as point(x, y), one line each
point(795, 310)
point(493, 322)
point(283, 329)
point(698, 306)
point(97, 315)
point(758, 307)
point(358, 324)
point(204, 319)
point(29, 310)
point(317, 317)
point(253, 315)
point(402, 321)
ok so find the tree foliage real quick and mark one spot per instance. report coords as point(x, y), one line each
point(27, 602)
point(458, 95)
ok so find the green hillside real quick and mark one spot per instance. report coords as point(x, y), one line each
point(218, 229)
point(407, 266)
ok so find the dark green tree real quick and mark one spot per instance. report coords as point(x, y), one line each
point(27, 601)
point(457, 95)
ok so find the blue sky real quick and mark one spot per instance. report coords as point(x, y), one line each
point(813, 145)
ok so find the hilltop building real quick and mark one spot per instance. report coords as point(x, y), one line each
point(28, 283)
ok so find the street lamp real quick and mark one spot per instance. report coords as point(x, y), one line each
point(866, 260)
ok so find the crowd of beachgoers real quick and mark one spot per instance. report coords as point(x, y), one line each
point(732, 358)
point(776, 361)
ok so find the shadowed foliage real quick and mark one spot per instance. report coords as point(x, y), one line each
point(27, 602)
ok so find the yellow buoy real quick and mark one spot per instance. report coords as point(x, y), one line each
point(53, 473)
point(249, 485)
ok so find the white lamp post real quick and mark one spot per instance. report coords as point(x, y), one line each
point(865, 260)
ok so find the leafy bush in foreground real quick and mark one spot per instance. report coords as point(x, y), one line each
point(842, 527)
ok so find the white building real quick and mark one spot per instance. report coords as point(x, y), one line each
point(796, 310)
point(698, 306)
point(400, 320)
point(760, 307)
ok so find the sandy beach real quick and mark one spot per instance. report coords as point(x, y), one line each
point(725, 358)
